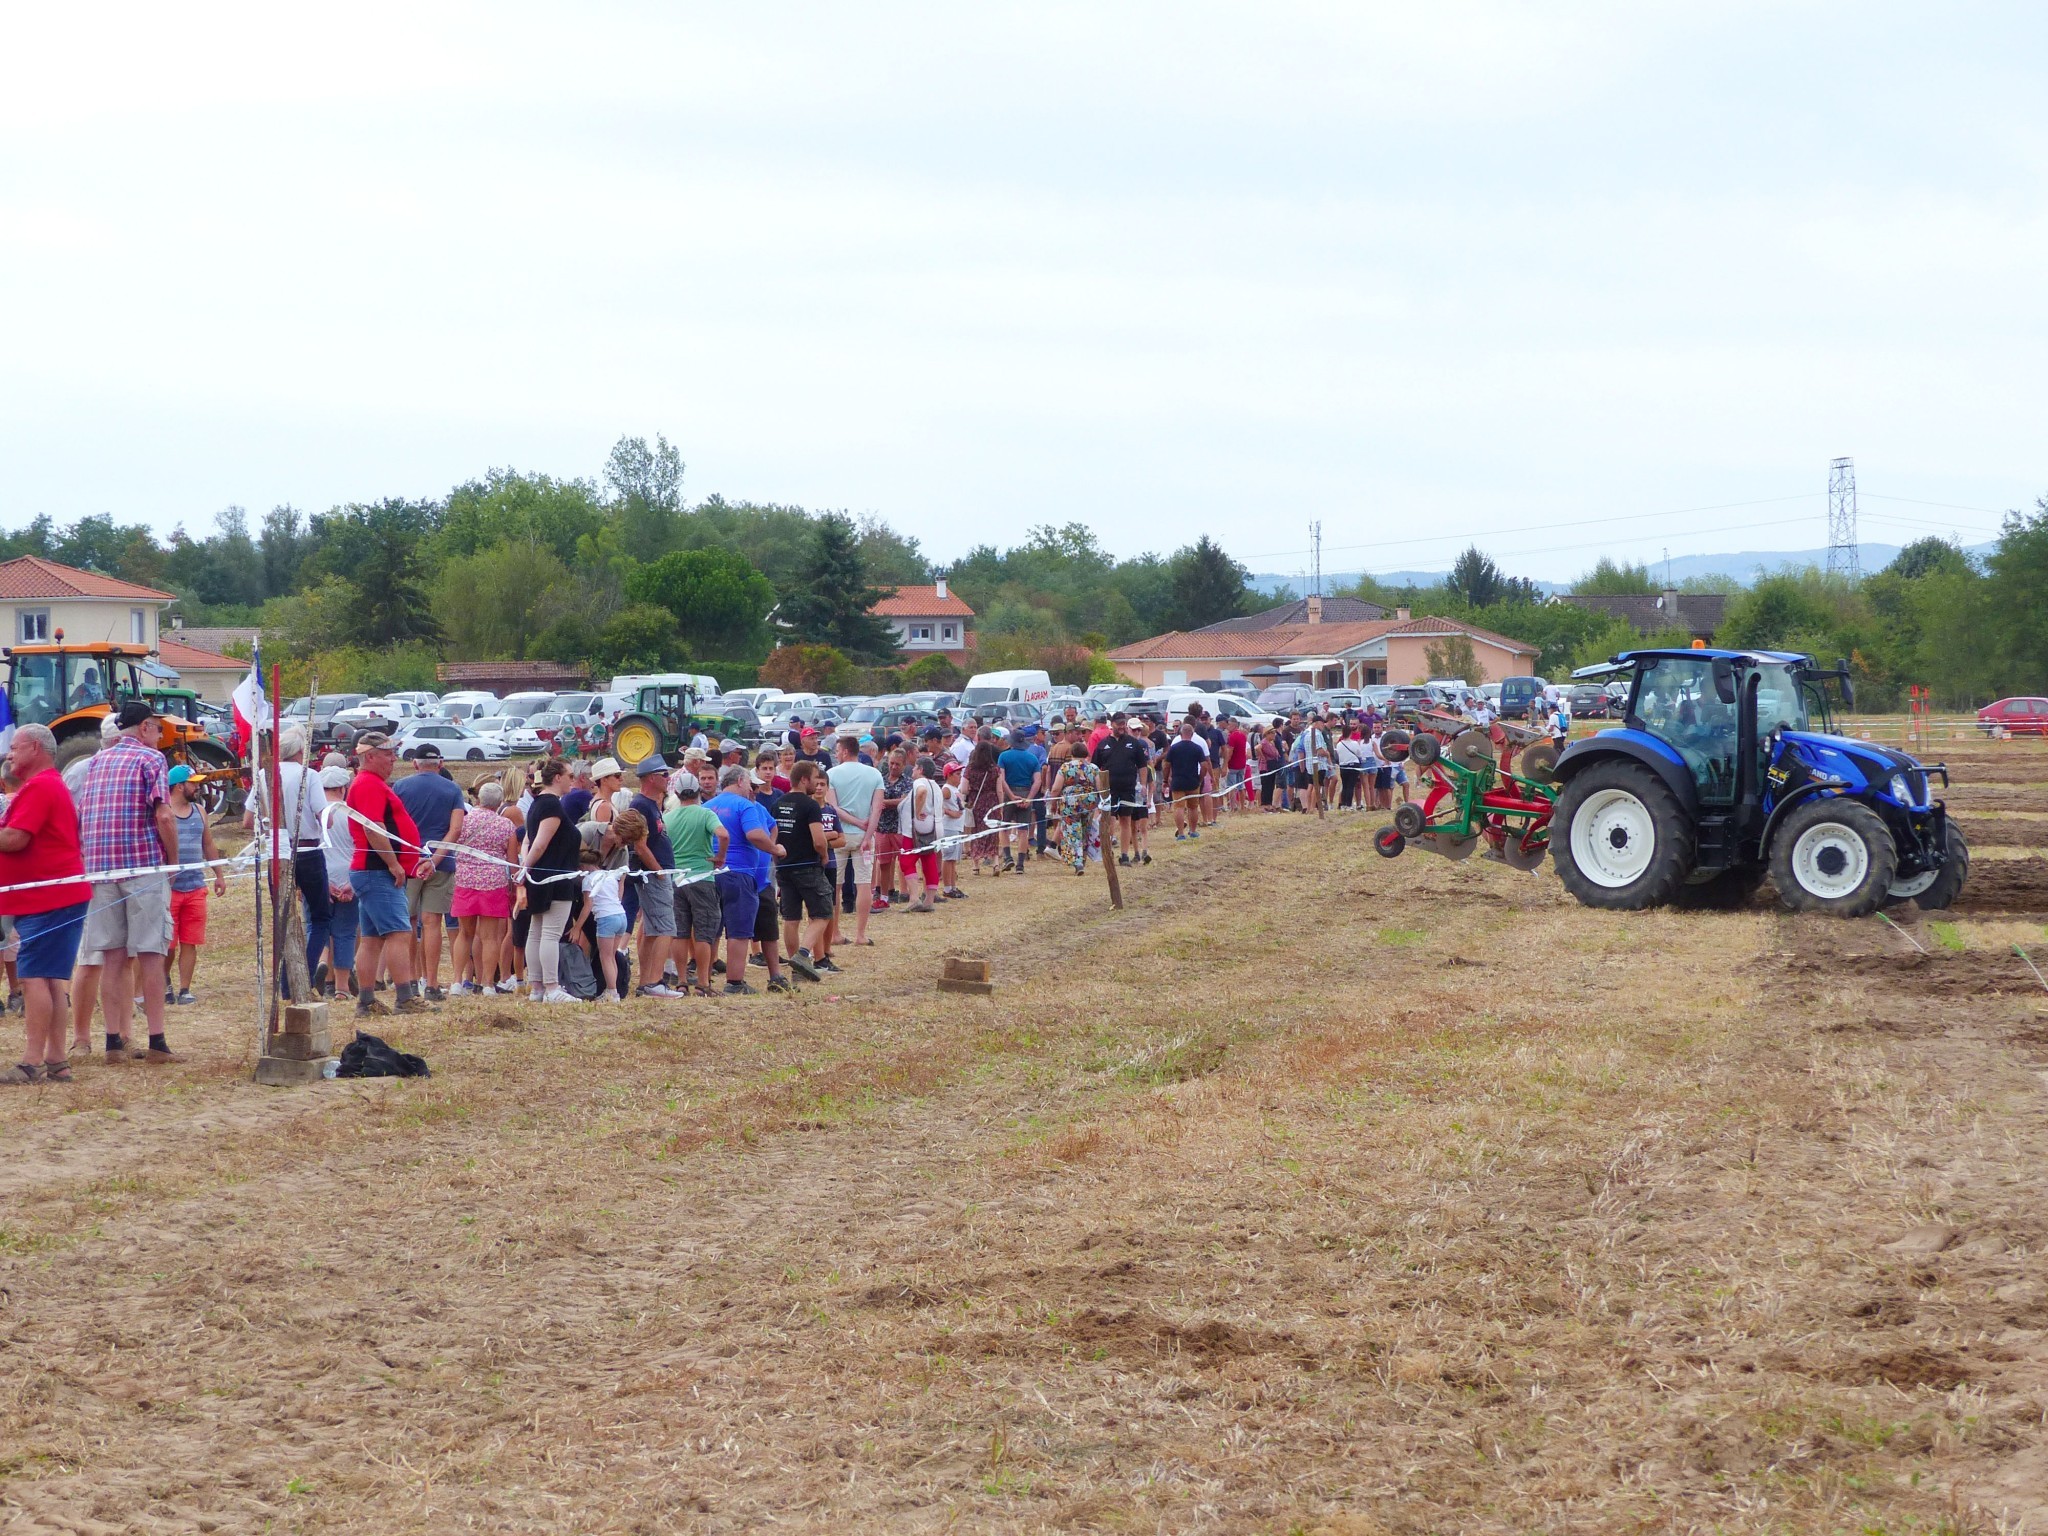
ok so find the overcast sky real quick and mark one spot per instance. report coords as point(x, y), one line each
point(1422, 271)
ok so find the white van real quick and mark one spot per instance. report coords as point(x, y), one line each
point(1015, 687)
point(630, 683)
point(468, 702)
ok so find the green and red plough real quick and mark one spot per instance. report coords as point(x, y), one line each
point(1470, 798)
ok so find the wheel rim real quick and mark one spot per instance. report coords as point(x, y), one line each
point(1829, 860)
point(1614, 838)
point(1914, 885)
point(637, 743)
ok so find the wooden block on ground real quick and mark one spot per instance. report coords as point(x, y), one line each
point(959, 968)
point(305, 1019)
point(283, 1072)
point(972, 988)
point(297, 1047)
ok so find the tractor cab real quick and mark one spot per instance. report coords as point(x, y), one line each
point(656, 724)
point(1718, 775)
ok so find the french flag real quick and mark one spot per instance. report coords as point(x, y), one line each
point(251, 704)
point(6, 722)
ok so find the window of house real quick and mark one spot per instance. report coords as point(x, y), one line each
point(949, 631)
point(35, 626)
point(138, 627)
point(920, 631)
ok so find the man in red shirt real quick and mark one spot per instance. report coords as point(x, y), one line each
point(1237, 753)
point(39, 842)
point(387, 847)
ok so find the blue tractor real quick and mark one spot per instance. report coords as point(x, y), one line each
point(1716, 779)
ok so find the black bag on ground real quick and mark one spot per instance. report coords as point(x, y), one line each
point(368, 1056)
point(579, 977)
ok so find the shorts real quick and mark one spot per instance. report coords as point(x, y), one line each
point(380, 905)
point(806, 892)
point(432, 893)
point(188, 917)
point(469, 903)
point(134, 915)
point(739, 904)
point(1191, 792)
point(657, 908)
point(49, 942)
point(610, 925)
point(697, 912)
point(1233, 781)
point(1383, 777)
point(859, 860)
point(767, 928)
point(1012, 813)
point(1129, 801)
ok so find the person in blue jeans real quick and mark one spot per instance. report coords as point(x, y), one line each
point(1023, 773)
point(748, 872)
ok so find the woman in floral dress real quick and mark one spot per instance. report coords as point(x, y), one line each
point(1076, 793)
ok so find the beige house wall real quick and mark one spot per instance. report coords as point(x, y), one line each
point(211, 683)
point(1408, 663)
point(96, 620)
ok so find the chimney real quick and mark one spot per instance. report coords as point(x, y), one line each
point(1315, 610)
point(1402, 615)
point(940, 587)
point(178, 622)
point(1669, 601)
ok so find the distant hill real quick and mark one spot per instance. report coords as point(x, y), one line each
point(1743, 566)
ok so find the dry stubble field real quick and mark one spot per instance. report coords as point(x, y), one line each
point(1311, 1193)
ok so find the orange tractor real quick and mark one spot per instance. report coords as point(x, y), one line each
point(72, 688)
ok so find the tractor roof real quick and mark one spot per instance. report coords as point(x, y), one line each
point(1714, 655)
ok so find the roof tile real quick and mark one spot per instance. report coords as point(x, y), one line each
point(29, 578)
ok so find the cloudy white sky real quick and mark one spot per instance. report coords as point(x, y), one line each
point(1421, 271)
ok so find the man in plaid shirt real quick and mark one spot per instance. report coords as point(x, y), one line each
point(124, 822)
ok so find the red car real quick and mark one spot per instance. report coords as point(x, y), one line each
point(2022, 717)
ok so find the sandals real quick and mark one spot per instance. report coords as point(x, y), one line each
point(14, 1076)
point(57, 1072)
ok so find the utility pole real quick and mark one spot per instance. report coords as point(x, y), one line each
point(1315, 542)
point(1843, 557)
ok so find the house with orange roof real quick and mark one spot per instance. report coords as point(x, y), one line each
point(928, 619)
point(1341, 655)
point(38, 597)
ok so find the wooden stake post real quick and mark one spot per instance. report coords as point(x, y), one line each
point(296, 1044)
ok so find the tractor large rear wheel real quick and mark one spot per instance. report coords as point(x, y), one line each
point(1833, 855)
point(635, 739)
point(1620, 838)
point(78, 744)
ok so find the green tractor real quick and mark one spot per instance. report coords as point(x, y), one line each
point(664, 716)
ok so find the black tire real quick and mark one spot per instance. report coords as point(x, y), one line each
point(474, 754)
point(78, 744)
point(1639, 819)
point(1395, 745)
point(1833, 855)
point(1408, 820)
point(1425, 749)
point(1948, 880)
point(1388, 843)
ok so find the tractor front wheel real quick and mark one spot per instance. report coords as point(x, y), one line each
point(1937, 889)
point(1833, 855)
point(1627, 843)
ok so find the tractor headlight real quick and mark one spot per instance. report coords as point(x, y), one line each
point(1901, 790)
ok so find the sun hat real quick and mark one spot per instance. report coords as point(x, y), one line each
point(605, 767)
point(648, 767)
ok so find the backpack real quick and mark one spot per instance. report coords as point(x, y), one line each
point(579, 976)
point(367, 1056)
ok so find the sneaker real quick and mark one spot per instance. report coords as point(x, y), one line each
point(369, 1003)
point(17, 1003)
point(415, 1004)
point(1145, 857)
point(824, 963)
point(718, 967)
point(1180, 837)
point(507, 985)
point(659, 989)
point(738, 989)
point(1194, 834)
point(802, 963)
point(954, 893)
point(757, 958)
point(323, 978)
point(1124, 859)
point(612, 997)
point(185, 999)
point(781, 984)
point(436, 995)
point(556, 995)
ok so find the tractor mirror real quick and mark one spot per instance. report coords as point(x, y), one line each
point(1724, 679)
point(1848, 688)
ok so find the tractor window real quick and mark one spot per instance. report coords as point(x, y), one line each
point(1675, 701)
point(37, 691)
point(86, 682)
point(1779, 701)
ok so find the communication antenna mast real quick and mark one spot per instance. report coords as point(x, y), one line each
point(1843, 559)
point(1315, 544)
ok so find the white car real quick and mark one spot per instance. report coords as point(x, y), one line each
point(378, 711)
point(456, 743)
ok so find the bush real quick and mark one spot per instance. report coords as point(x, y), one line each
point(933, 673)
point(807, 669)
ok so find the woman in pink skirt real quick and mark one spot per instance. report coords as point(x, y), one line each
point(482, 905)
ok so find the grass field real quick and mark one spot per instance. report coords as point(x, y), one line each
point(1313, 1192)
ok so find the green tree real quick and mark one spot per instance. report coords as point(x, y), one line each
point(495, 602)
point(1208, 586)
point(1452, 656)
point(376, 548)
point(1922, 557)
point(507, 505)
point(640, 637)
point(647, 486)
point(718, 603)
point(831, 600)
point(1608, 579)
point(285, 542)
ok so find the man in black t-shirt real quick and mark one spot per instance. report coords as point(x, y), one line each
point(1124, 759)
point(800, 870)
point(1185, 761)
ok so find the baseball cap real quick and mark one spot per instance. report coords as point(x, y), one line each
point(690, 756)
point(425, 752)
point(729, 745)
point(373, 741)
point(334, 778)
point(647, 767)
point(951, 767)
point(180, 774)
point(133, 713)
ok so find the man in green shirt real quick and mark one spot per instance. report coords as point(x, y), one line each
point(699, 841)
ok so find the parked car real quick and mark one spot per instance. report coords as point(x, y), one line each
point(1589, 701)
point(540, 732)
point(1518, 695)
point(496, 726)
point(451, 740)
point(1336, 700)
point(1283, 698)
point(2022, 717)
point(328, 705)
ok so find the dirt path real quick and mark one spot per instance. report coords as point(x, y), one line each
point(1313, 1191)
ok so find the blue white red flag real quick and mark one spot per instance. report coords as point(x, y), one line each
point(251, 703)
